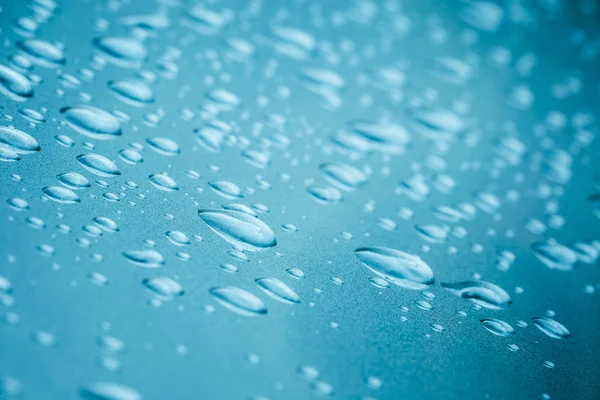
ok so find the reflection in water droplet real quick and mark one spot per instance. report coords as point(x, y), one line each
point(278, 290)
point(239, 300)
point(400, 268)
point(239, 229)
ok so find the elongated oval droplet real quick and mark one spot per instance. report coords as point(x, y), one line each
point(61, 195)
point(163, 182)
point(92, 122)
point(483, 293)
point(14, 84)
point(344, 176)
point(164, 146)
point(121, 50)
point(109, 391)
point(239, 229)
point(400, 268)
point(239, 301)
point(18, 141)
point(278, 290)
point(163, 288)
point(555, 255)
point(551, 328)
point(226, 189)
point(43, 53)
point(497, 327)
point(145, 258)
point(73, 180)
point(98, 164)
point(132, 91)
point(325, 194)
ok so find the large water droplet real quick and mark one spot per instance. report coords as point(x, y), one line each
point(278, 290)
point(14, 84)
point(121, 50)
point(344, 176)
point(109, 391)
point(61, 195)
point(17, 141)
point(239, 229)
point(145, 258)
point(163, 288)
point(98, 164)
point(163, 182)
point(483, 293)
point(239, 301)
point(92, 122)
point(551, 328)
point(555, 255)
point(497, 327)
point(131, 91)
point(42, 53)
point(73, 180)
point(400, 268)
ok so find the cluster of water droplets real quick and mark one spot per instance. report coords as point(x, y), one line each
point(381, 163)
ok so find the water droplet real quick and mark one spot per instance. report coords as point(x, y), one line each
point(92, 122)
point(98, 164)
point(555, 255)
point(163, 288)
point(551, 328)
point(164, 146)
point(239, 300)
point(61, 194)
point(178, 238)
point(239, 229)
point(163, 182)
point(344, 176)
point(14, 84)
point(121, 50)
point(384, 136)
point(131, 91)
point(145, 258)
point(325, 194)
point(226, 189)
point(278, 290)
point(73, 180)
point(17, 141)
point(497, 327)
point(400, 268)
point(482, 293)
point(109, 391)
point(42, 53)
